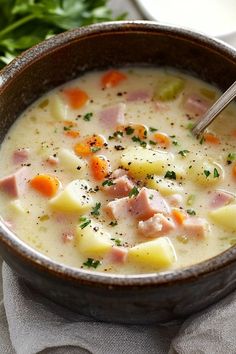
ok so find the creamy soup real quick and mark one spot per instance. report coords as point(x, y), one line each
point(103, 173)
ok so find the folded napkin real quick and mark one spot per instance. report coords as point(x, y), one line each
point(37, 325)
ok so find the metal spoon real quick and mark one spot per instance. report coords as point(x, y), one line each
point(214, 110)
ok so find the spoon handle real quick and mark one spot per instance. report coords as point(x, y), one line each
point(217, 107)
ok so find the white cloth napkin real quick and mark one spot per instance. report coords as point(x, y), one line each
point(36, 325)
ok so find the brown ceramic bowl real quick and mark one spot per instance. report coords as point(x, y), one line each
point(150, 298)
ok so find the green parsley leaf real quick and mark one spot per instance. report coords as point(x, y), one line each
point(92, 263)
point(170, 175)
point(95, 148)
point(174, 142)
point(191, 212)
point(183, 153)
point(216, 173)
point(230, 158)
point(129, 130)
point(151, 142)
point(95, 210)
point(84, 222)
point(108, 182)
point(117, 241)
point(87, 117)
point(153, 129)
point(134, 192)
point(207, 173)
point(202, 140)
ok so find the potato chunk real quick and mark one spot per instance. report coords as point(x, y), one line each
point(71, 161)
point(168, 88)
point(140, 161)
point(205, 173)
point(58, 108)
point(93, 243)
point(164, 186)
point(157, 254)
point(225, 216)
point(74, 198)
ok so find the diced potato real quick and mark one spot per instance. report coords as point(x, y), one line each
point(140, 161)
point(58, 108)
point(74, 198)
point(17, 206)
point(168, 88)
point(205, 173)
point(72, 162)
point(164, 186)
point(93, 243)
point(225, 216)
point(157, 254)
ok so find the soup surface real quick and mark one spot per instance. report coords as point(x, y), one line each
point(103, 173)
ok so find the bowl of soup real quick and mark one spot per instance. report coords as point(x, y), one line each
point(109, 205)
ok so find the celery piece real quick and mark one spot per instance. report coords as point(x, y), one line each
point(168, 88)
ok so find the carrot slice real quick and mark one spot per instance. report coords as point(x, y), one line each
point(112, 78)
point(162, 139)
point(86, 147)
point(76, 97)
point(100, 167)
point(45, 184)
point(72, 133)
point(179, 216)
point(211, 138)
point(234, 170)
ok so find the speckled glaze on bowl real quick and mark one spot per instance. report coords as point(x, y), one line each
point(151, 298)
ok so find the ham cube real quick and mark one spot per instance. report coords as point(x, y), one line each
point(20, 156)
point(14, 184)
point(117, 255)
point(195, 227)
point(175, 200)
point(113, 116)
point(119, 208)
point(157, 225)
point(120, 188)
point(138, 95)
point(147, 203)
point(221, 198)
point(196, 105)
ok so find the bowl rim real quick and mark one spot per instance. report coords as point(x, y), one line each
point(69, 273)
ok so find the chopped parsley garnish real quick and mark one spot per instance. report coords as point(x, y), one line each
point(216, 173)
point(174, 142)
point(151, 142)
point(113, 223)
point(117, 241)
point(191, 212)
point(95, 148)
point(202, 140)
point(68, 128)
point(138, 140)
point(207, 173)
point(108, 182)
point(92, 263)
point(87, 117)
point(95, 210)
point(129, 130)
point(151, 196)
point(170, 175)
point(117, 134)
point(230, 158)
point(153, 129)
point(183, 153)
point(134, 192)
point(84, 222)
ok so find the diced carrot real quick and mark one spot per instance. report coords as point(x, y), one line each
point(77, 98)
point(179, 216)
point(162, 139)
point(86, 147)
point(45, 184)
point(69, 123)
point(234, 170)
point(211, 138)
point(72, 133)
point(112, 78)
point(140, 130)
point(100, 167)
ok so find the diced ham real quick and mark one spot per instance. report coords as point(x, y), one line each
point(119, 172)
point(20, 156)
point(175, 200)
point(196, 105)
point(196, 227)
point(118, 208)
point(117, 254)
point(52, 160)
point(138, 95)
point(220, 198)
point(113, 116)
point(157, 225)
point(120, 188)
point(14, 184)
point(147, 203)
